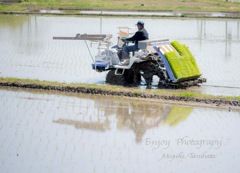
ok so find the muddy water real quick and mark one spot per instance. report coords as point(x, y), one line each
point(42, 132)
point(28, 51)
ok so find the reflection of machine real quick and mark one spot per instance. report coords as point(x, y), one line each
point(102, 127)
point(133, 115)
point(172, 62)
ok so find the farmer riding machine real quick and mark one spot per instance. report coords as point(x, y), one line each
point(170, 61)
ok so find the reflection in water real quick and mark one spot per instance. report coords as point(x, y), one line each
point(230, 33)
point(57, 132)
point(10, 22)
point(238, 30)
point(96, 126)
point(177, 114)
point(22, 34)
point(138, 116)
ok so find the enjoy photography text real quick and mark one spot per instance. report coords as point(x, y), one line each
point(186, 141)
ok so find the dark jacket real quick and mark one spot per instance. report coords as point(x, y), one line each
point(138, 36)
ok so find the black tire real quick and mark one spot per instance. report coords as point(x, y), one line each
point(126, 79)
point(129, 77)
point(113, 79)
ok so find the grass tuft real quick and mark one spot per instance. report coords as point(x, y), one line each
point(134, 5)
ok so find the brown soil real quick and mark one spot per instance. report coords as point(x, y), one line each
point(202, 102)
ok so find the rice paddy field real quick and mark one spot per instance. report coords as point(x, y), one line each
point(56, 132)
point(59, 132)
point(28, 50)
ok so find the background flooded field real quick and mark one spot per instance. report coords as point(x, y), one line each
point(53, 132)
point(28, 50)
point(42, 132)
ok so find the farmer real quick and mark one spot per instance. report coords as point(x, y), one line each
point(141, 34)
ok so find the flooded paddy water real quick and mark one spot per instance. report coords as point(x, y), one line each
point(49, 132)
point(28, 50)
point(60, 132)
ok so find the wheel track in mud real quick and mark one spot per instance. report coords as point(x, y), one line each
point(218, 86)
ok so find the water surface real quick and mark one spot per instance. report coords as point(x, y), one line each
point(28, 50)
point(42, 132)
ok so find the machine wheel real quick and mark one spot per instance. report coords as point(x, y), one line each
point(132, 77)
point(127, 78)
point(113, 79)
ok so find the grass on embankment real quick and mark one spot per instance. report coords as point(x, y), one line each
point(143, 5)
point(115, 88)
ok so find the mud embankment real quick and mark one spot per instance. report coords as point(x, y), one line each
point(187, 100)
